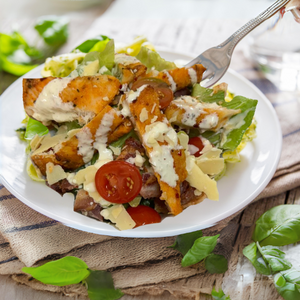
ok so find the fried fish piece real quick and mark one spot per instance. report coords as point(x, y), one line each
point(188, 111)
point(160, 140)
point(180, 78)
point(68, 99)
point(78, 148)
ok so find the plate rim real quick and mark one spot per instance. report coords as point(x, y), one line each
point(156, 234)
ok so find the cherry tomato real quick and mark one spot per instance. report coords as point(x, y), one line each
point(143, 215)
point(165, 94)
point(118, 181)
point(196, 141)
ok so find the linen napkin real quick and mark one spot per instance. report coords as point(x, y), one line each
point(144, 265)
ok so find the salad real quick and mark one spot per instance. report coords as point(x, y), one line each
point(134, 137)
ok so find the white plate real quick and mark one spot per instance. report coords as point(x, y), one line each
point(242, 183)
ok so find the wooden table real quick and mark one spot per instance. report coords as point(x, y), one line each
point(238, 231)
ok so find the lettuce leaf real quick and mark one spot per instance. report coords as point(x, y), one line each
point(97, 43)
point(152, 59)
point(134, 48)
point(230, 138)
point(106, 59)
point(33, 128)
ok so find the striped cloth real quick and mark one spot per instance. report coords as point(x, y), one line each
point(28, 237)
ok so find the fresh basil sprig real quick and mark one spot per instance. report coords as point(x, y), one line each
point(100, 285)
point(53, 29)
point(278, 226)
point(184, 242)
point(65, 271)
point(288, 284)
point(266, 259)
point(219, 295)
point(216, 264)
point(73, 270)
point(201, 248)
point(196, 248)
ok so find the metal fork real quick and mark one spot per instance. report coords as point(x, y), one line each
point(216, 60)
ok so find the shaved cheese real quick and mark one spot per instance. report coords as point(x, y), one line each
point(202, 182)
point(54, 173)
point(35, 142)
point(118, 215)
point(210, 162)
point(91, 68)
point(49, 142)
point(144, 115)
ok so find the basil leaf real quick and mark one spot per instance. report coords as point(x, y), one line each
point(98, 43)
point(216, 264)
point(255, 257)
point(266, 260)
point(292, 275)
point(239, 123)
point(275, 258)
point(289, 291)
point(219, 295)
point(100, 286)
point(152, 59)
point(288, 284)
point(184, 242)
point(65, 271)
point(33, 128)
point(53, 29)
point(16, 56)
point(201, 249)
point(278, 226)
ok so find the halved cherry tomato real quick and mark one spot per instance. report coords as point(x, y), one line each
point(118, 181)
point(143, 215)
point(196, 141)
point(164, 92)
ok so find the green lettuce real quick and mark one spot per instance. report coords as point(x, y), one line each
point(230, 138)
point(33, 128)
point(97, 43)
point(152, 59)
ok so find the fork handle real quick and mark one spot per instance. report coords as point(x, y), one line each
point(235, 38)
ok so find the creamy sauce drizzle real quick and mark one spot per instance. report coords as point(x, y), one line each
point(160, 156)
point(49, 106)
point(171, 81)
point(85, 144)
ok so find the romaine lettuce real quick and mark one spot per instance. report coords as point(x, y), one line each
point(152, 59)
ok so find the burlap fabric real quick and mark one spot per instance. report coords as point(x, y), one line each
point(142, 265)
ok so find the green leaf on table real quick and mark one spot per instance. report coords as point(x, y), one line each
point(267, 259)
point(184, 242)
point(65, 271)
point(255, 257)
point(230, 136)
point(216, 264)
point(100, 286)
point(53, 29)
point(275, 258)
point(287, 284)
point(219, 295)
point(201, 248)
point(152, 59)
point(16, 56)
point(278, 226)
point(33, 128)
point(97, 43)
